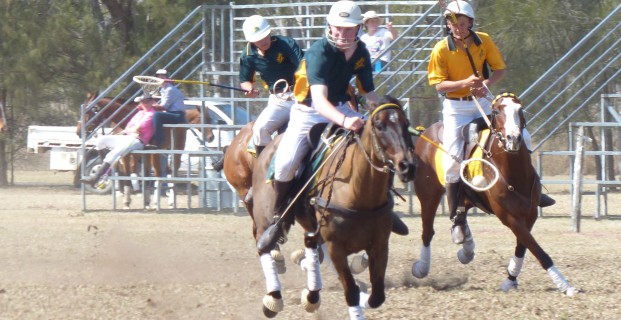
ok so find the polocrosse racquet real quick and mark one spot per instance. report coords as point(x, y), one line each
point(155, 81)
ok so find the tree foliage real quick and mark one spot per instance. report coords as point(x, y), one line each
point(54, 51)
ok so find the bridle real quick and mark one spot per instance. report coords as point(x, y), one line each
point(387, 164)
point(496, 134)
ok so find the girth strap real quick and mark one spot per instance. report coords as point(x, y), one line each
point(321, 203)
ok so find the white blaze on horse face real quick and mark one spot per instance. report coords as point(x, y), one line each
point(512, 124)
point(394, 117)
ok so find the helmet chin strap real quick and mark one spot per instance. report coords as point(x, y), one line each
point(342, 46)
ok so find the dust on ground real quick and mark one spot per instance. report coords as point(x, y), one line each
point(62, 263)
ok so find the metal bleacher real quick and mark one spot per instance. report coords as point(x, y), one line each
point(207, 43)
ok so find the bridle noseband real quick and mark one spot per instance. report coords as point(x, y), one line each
point(502, 141)
point(388, 165)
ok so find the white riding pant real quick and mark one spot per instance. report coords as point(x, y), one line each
point(294, 145)
point(119, 146)
point(272, 118)
point(457, 114)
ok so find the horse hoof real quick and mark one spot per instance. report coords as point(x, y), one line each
point(280, 261)
point(297, 256)
point(272, 306)
point(419, 270)
point(310, 306)
point(125, 207)
point(465, 257)
point(508, 285)
point(358, 264)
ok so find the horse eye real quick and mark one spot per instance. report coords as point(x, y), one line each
point(379, 125)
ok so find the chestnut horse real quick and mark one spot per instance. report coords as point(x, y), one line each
point(513, 198)
point(351, 207)
point(117, 113)
point(239, 164)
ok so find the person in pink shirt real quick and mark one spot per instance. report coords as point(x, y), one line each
point(135, 136)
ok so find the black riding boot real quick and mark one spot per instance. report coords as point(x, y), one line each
point(398, 226)
point(102, 153)
point(92, 180)
point(259, 150)
point(460, 231)
point(281, 190)
point(546, 201)
point(218, 165)
point(273, 233)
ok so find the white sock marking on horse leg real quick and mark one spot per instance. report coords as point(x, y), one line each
point(313, 274)
point(356, 313)
point(420, 269)
point(515, 266)
point(272, 283)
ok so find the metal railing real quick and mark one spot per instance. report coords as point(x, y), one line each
point(207, 43)
point(574, 82)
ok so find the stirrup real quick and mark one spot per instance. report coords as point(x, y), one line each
point(460, 233)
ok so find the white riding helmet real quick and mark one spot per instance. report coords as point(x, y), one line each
point(460, 7)
point(345, 14)
point(256, 28)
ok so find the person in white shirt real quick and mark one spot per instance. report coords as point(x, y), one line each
point(377, 38)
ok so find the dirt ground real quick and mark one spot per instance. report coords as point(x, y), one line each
point(61, 263)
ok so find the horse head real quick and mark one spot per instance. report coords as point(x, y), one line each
point(508, 121)
point(106, 110)
point(390, 137)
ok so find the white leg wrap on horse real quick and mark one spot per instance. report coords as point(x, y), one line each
point(515, 266)
point(135, 184)
point(468, 246)
point(272, 283)
point(364, 300)
point(420, 269)
point(313, 274)
point(425, 255)
point(355, 313)
point(561, 282)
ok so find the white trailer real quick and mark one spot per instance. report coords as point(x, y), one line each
point(64, 147)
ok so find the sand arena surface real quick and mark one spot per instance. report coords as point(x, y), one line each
point(58, 263)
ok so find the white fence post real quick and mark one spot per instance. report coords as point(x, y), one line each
point(576, 201)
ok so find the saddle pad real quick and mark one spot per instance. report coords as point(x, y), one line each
point(474, 169)
point(314, 161)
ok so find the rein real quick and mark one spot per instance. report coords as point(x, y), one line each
point(326, 204)
point(388, 166)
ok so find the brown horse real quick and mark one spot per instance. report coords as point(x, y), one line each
point(117, 112)
point(239, 164)
point(351, 211)
point(513, 198)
